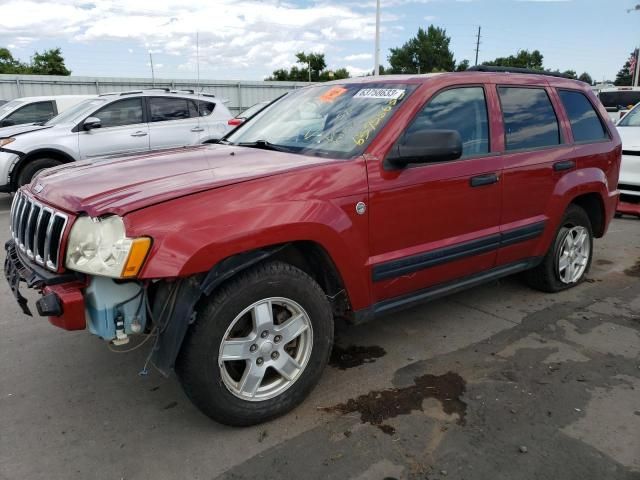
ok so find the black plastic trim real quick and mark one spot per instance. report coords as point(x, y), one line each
point(564, 165)
point(631, 188)
point(414, 263)
point(635, 153)
point(443, 289)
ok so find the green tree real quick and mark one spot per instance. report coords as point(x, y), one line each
point(522, 59)
point(49, 62)
point(427, 52)
point(624, 76)
point(8, 64)
point(319, 72)
point(570, 74)
point(585, 77)
point(462, 66)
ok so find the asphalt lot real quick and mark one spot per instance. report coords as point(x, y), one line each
point(498, 382)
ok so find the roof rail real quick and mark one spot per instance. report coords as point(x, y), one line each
point(490, 68)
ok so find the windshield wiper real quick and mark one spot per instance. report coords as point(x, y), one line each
point(265, 145)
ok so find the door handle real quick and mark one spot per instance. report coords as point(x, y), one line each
point(565, 165)
point(139, 134)
point(197, 129)
point(487, 179)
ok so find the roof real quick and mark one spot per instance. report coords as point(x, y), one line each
point(51, 97)
point(160, 92)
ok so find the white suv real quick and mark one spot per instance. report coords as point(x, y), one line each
point(110, 124)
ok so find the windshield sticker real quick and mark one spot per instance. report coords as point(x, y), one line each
point(331, 94)
point(384, 93)
point(372, 123)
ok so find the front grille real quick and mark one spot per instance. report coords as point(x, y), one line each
point(37, 230)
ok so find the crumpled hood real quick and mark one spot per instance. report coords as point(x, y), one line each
point(7, 132)
point(121, 185)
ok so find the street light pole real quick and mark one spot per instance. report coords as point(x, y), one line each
point(636, 75)
point(376, 69)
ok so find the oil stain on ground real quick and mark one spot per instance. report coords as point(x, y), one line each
point(379, 405)
point(354, 356)
point(635, 270)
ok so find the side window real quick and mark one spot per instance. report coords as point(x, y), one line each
point(463, 109)
point(122, 112)
point(529, 118)
point(167, 108)
point(34, 112)
point(585, 122)
point(200, 108)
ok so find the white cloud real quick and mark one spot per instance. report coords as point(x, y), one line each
point(231, 33)
point(357, 71)
point(358, 56)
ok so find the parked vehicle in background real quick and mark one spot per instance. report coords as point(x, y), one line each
point(36, 109)
point(619, 100)
point(110, 124)
point(629, 130)
point(343, 200)
point(248, 113)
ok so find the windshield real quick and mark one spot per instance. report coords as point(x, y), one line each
point(7, 107)
point(77, 111)
point(631, 119)
point(328, 120)
point(620, 99)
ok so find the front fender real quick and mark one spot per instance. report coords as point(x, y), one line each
point(194, 233)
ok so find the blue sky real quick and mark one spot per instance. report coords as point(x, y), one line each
point(248, 39)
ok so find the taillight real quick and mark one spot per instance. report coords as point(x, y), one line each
point(235, 121)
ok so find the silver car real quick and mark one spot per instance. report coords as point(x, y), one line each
point(110, 124)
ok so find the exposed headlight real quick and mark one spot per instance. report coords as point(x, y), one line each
point(6, 141)
point(99, 246)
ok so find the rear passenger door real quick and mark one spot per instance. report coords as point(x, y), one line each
point(174, 122)
point(435, 222)
point(536, 153)
point(123, 130)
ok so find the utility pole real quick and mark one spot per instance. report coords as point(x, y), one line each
point(478, 44)
point(153, 77)
point(309, 71)
point(376, 68)
point(636, 74)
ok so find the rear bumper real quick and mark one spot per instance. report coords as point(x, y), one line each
point(61, 295)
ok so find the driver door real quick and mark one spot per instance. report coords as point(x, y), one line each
point(432, 223)
point(123, 130)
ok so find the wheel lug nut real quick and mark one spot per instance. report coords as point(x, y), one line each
point(277, 338)
point(259, 361)
point(264, 334)
point(275, 355)
point(253, 347)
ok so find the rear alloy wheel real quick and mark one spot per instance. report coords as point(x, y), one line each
point(569, 257)
point(574, 255)
point(258, 346)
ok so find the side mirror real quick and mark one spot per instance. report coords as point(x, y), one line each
point(425, 146)
point(91, 122)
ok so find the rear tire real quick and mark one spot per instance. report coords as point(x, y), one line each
point(231, 361)
point(33, 167)
point(568, 260)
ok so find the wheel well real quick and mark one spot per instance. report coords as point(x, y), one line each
point(55, 154)
point(314, 260)
point(592, 204)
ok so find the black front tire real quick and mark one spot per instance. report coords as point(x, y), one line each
point(197, 365)
point(33, 167)
point(546, 277)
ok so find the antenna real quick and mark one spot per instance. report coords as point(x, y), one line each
point(198, 75)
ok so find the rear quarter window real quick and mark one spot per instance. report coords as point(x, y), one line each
point(529, 119)
point(585, 122)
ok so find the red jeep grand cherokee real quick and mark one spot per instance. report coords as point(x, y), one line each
point(347, 199)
